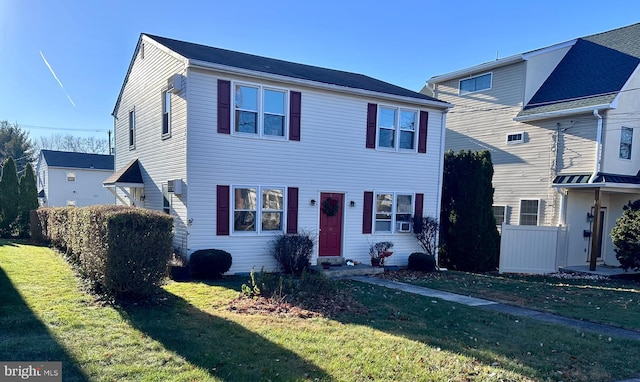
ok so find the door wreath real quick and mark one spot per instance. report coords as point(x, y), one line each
point(330, 206)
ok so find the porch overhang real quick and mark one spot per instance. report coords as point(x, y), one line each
point(606, 182)
point(126, 178)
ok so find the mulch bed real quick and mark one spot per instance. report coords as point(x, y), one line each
point(309, 307)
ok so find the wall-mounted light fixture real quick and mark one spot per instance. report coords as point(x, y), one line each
point(313, 202)
point(352, 203)
point(589, 217)
point(142, 198)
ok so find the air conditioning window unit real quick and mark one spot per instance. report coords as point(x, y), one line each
point(175, 186)
point(403, 227)
point(174, 84)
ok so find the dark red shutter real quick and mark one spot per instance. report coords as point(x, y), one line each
point(294, 115)
point(422, 134)
point(292, 210)
point(372, 117)
point(367, 212)
point(419, 203)
point(224, 107)
point(222, 213)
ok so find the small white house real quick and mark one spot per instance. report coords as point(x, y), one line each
point(240, 148)
point(73, 179)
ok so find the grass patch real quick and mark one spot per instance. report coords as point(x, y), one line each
point(190, 335)
point(609, 301)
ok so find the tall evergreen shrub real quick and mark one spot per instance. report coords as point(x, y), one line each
point(469, 239)
point(9, 194)
point(28, 200)
point(626, 236)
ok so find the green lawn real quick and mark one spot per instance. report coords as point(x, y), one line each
point(191, 336)
point(610, 301)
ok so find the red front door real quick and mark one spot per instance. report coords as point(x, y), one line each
point(330, 236)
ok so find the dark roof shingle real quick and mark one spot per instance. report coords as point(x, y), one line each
point(592, 72)
point(70, 159)
point(284, 68)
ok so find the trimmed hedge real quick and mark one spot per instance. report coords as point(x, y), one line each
point(209, 263)
point(422, 262)
point(121, 250)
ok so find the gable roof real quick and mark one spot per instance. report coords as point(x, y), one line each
point(128, 174)
point(592, 72)
point(233, 59)
point(69, 159)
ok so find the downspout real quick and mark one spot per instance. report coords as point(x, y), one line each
point(439, 196)
point(598, 160)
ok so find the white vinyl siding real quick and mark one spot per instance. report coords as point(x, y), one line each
point(160, 159)
point(330, 157)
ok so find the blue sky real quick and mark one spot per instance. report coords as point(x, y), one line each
point(89, 44)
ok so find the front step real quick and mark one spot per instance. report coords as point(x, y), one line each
point(343, 271)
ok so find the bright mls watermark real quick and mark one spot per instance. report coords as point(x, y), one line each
point(31, 371)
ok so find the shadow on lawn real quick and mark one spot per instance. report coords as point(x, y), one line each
point(223, 348)
point(23, 337)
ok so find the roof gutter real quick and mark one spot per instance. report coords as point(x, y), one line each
point(598, 159)
point(561, 113)
point(198, 64)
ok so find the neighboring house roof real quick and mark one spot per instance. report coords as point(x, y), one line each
point(129, 174)
point(68, 159)
point(233, 59)
point(592, 72)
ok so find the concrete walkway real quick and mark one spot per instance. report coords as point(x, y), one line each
point(504, 308)
point(606, 330)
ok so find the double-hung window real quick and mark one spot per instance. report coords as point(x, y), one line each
point(626, 140)
point(397, 128)
point(260, 111)
point(166, 199)
point(529, 211)
point(393, 212)
point(166, 114)
point(258, 209)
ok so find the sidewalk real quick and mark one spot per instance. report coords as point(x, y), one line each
point(606, 330)
point(504, 308)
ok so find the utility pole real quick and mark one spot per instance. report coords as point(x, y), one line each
point(110, 142)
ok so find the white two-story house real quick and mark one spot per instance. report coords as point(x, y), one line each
point(68, 178)
point(560, 123)
point(240, 148)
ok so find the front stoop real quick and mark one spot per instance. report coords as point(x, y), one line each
point(343, 271)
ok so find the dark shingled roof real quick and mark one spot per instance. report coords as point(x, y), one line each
point(284, 68)
point(592, 72)
point(70, 159)
point(130, 173)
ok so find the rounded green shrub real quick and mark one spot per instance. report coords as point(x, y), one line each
point(209, 263)
point(422, 262)
point(626, 236)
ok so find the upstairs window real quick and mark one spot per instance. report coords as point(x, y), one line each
point(515, 138)
point(166, 114)
point(132, 129)
point(393, 212)
point(475, 84)
point(166, 199)
point(626, 140)
point(397, 128)
point(260, 111)
point(71, 176)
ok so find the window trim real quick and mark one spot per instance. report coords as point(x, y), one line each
point(132, 129)
point(515, 141)
point(169, 114)
point(504, 215)
point(394, 212)
point(463, 92)
point(537, 212)
point(73, 173)
point(259, 210)
point(261, 112)
point(397, 130)
point(623, 128)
